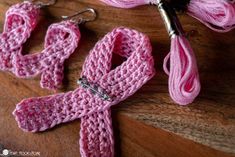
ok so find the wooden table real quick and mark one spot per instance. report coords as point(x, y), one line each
point(148, 124)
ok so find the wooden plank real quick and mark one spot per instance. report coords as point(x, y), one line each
point(210, 120)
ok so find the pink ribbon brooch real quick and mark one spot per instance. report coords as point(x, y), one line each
point(100, 88)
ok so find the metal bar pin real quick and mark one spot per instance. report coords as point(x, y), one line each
point(95, 89)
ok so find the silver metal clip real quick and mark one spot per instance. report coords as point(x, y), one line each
point(170, 18)
point(79, 20)
point(94, 88)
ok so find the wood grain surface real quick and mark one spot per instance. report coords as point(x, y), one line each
point(148, 124)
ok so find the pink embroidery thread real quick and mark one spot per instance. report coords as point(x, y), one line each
point(184, 83)
point(219, 15)
point(61, 41)
point(39, 114)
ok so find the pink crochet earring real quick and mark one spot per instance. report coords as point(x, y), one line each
point(101, 88)
point(21, 19)
point(60, 42)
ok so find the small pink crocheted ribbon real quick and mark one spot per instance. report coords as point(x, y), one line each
point(39, 114)
point(61, 41)
point(21, 20)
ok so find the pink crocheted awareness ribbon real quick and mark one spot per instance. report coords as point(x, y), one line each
point(39, 114)
point(218, 15)
point(60, 42)
point(21, 20)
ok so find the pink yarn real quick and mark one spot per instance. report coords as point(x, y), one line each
point(219, 15)
point(39, 114)
point(61, 41)
point(184, 83)
point(128, 3)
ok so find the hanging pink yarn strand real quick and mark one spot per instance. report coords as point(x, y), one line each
point(184, 83)
point(218, 15)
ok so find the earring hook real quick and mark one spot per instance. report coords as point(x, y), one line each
point(79, 20)
point(43, 4)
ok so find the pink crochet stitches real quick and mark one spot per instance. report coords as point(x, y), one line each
point(39, 114)
point(21, 20)
point(61, 41)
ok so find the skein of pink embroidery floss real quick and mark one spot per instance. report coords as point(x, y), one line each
point(219, 15)
point(184, 83)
